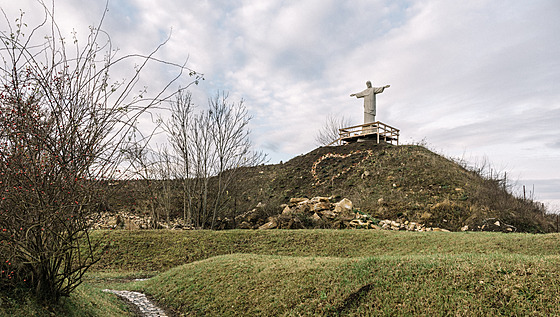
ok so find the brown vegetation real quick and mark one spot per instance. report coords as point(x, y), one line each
point(402, 183)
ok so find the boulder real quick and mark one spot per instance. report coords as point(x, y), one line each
point(269, 225)
point(343, 206)
point(316, 217)
point(329, 214)
point(322, 206)
point(287, 210)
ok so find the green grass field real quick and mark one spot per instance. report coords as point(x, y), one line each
point(324, 272)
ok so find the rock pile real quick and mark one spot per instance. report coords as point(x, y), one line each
point(125, 220)
point(320, 212)
point(305, 213)
point(299, 213)
point(407, 225)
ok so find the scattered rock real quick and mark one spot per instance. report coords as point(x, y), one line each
point(320, 212)
point(129, 221)
point(343, 207)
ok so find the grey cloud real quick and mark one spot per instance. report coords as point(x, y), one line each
point(470, 74)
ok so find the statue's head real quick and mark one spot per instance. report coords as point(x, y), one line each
point(368, 84)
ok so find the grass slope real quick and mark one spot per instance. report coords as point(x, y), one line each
point(342, 272)
point(464, 285)
point(319, 272)
point(86, 301)
point(158, 251)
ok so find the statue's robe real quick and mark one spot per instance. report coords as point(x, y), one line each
point(369, 102)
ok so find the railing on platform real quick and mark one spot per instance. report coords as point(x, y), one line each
point(369, 131)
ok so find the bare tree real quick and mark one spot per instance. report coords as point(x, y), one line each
point(230, 135)
point(165, 171)
point(203, 160)
point(143, 163)
point(329, 132)
point(178, 129)
point(212, 144)
point(63, 124)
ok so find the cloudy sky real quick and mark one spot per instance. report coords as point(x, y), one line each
point(478, 80)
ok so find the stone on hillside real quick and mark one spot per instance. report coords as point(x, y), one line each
point(328, 214)
point(315, 217)
point(269, 225)
point(302, 208)
point(245, 225)
point(297, 200)
point(357, 223)
point(287, 210)
point(343, 206)
point(321, 206)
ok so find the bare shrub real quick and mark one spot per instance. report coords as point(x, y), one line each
point(329, 132)
point(63, 124)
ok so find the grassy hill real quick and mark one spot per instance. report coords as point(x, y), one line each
point(467, 285)
point(401, 183)
point(406, 182)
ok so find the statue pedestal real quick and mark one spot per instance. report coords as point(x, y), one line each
point(374, 131)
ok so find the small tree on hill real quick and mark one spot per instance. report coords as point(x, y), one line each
point(329, 132)
point(62, 127)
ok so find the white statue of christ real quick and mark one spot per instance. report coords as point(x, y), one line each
point(369, 100)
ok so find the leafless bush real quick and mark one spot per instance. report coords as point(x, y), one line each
point(63, 123)
point(329, 132)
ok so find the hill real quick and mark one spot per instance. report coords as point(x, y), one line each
point(405, 183)
point(400, 183)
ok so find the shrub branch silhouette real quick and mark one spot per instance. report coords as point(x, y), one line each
point(63, 125)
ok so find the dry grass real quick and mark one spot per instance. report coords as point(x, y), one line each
point(407, 182)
